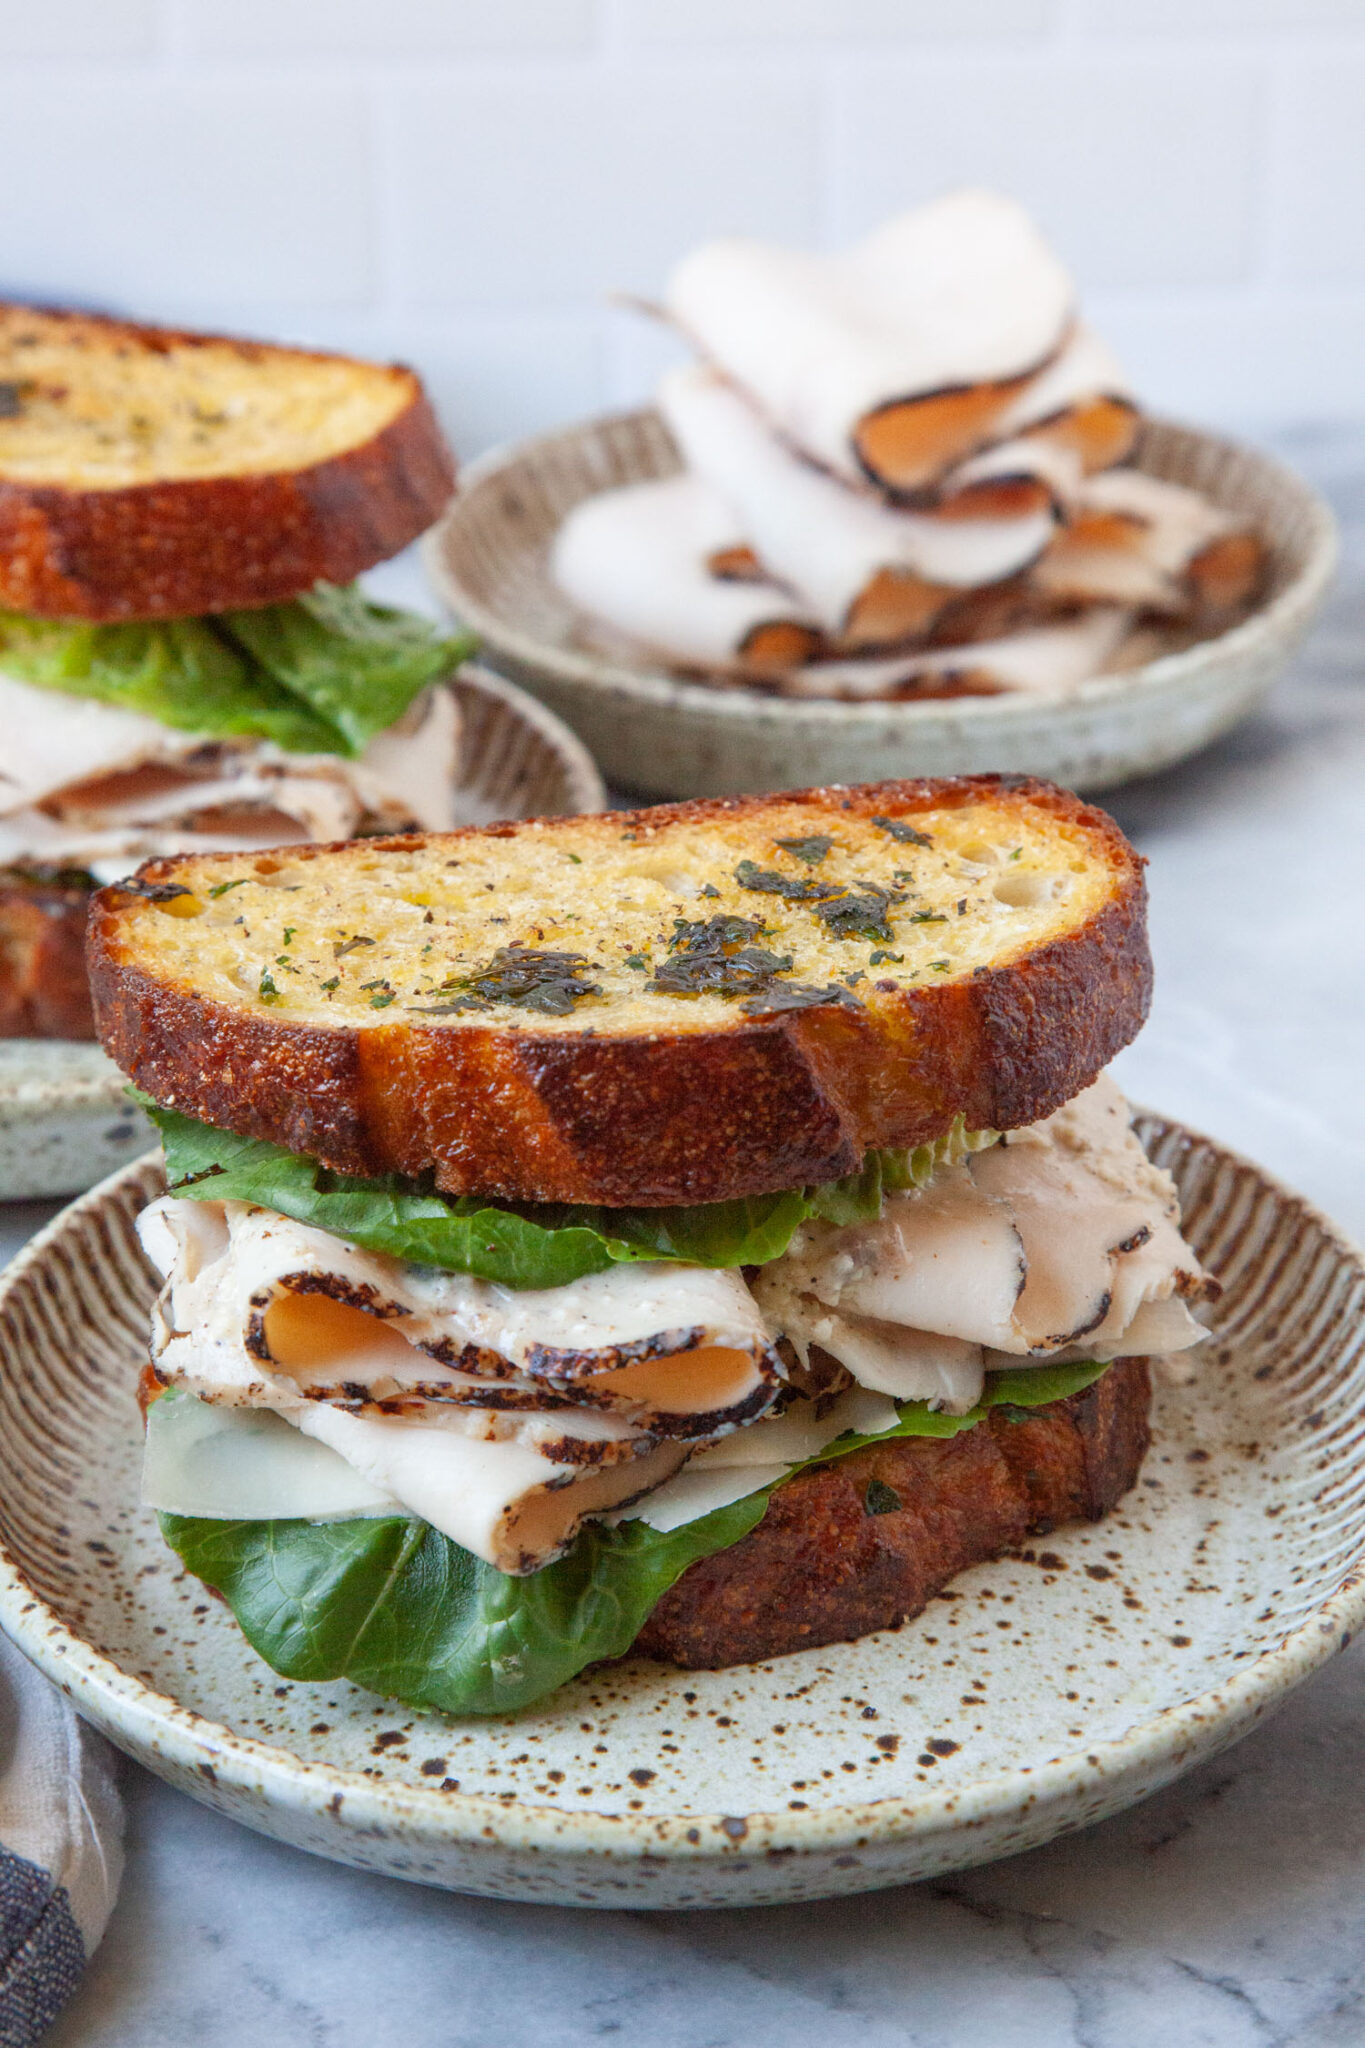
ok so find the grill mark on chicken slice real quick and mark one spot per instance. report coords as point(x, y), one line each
point(361, 1331)
point(1095, 1225)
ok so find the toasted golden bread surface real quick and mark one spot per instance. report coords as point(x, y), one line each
point(147, 472)
point(679, 1004)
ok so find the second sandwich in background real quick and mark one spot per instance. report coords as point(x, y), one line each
point(185, 662)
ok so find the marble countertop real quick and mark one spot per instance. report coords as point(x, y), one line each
point(1228, 1912)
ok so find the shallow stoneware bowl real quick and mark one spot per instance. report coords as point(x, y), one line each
point(65, 1118)
point(488, 560)
point(1038, 1694)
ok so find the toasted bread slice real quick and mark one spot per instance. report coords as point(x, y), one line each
point(683, 1004)
point(148, 473)
point(829, 1562)
point(44, 992)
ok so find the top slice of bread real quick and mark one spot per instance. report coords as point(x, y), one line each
point(150, 473)
point(359, 1002)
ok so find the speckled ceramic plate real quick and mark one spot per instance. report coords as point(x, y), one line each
point(1040, 1693)
point(488, 558)
point(65, 1118)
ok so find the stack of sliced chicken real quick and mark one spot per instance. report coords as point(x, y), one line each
point(904, 475)
point(333, 1380)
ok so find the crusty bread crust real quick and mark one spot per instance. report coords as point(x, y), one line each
point(44, 992)
point(825, 1566)
point(176, 546)
point(691, 1113)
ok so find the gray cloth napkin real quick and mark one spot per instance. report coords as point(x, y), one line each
point(61, 1848)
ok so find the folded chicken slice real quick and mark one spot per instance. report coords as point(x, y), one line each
point(636, 560)
point(871, 572)
point(262, 1311)
point(1080, 403)
point(90, 785)
point(509, 1502)
point(892, 359)
point(1138, 540)
point(754, 1458)
point(1061, 1241)
point(1041, 661)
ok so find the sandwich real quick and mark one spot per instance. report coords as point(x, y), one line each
point(184, 659)
point(696, 1232)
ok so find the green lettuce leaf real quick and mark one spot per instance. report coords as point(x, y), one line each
point(400, 1609)
point(321, 675)
point(182, 672)
point(356, 665)
point(533, 1244)
point(395, 1606)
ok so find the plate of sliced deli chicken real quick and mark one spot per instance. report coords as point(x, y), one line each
point(902, 512)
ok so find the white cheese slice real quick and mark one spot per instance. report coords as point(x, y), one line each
point(246, 1465)
point(691, 1494)
point(754, 1458)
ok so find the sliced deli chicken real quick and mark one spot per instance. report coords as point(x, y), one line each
point(91, 785)
point(636, 559)
point(868, 570)
point(260, 1310)
point(1061, 1240)
point(654, 1390)
point(895, 357)
point(501, 1416)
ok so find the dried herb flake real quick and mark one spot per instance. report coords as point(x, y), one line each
point(881, 1499)
point(811, 850)
point(903, 834)
point(524, 977)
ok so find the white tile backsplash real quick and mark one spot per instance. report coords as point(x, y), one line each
point(81, 29)
point(187, 197)
point(1146, 175)
point(381, 30)
point(464, 183)
point(558, 187)
point(1319, 227)
point(774, 23)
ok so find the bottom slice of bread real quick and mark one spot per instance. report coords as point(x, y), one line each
point(44, 992)
point(867, 1541)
